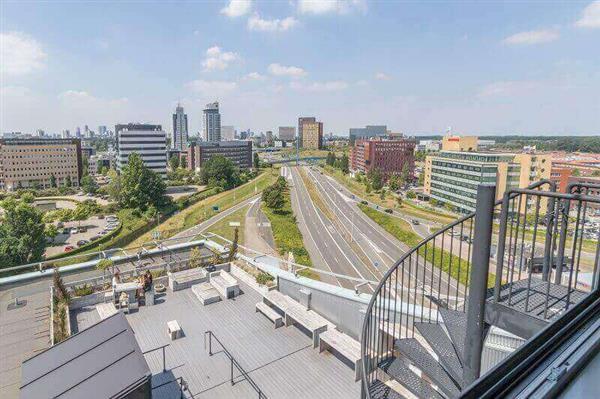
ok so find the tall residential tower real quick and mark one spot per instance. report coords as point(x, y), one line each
point(212, 122)
point(180, 129)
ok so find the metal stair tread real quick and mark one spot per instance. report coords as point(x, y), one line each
point(379, 390)
point(399, 371)
point(441, 344)
point(418, 356)
point(456, 324)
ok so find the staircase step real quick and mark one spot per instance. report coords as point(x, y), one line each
point(439, 341)
point(418, 356)
point(379, 390)
point(456, 324)
point(399, 371)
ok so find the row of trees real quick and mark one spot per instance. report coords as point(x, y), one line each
point(341, 163)
point(274, 195)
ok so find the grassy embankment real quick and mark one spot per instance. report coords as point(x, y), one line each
point(403, 232)
point(204, 210)
point(223, 229)
point(287, 235)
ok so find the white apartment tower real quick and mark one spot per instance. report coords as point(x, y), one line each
point(148, 141)
point(180, 129)
point(212, 122)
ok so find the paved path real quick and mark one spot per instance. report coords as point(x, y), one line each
point(257, 231)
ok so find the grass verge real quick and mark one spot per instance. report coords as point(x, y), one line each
point(287, 235)
point(205, 209)
point(314, 195)
point(223, 228)
point(402, 231)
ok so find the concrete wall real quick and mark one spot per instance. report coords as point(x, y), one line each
point(345, 309)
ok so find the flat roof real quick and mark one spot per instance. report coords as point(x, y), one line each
point(101, 361)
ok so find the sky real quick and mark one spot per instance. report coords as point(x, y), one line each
point(420, 67)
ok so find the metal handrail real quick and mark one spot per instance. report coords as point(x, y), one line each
point(367, 361)
point(234, 362)
point(163, 354)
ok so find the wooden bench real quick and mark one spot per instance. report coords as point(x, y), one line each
point(173, 329)
point(186, 278)
point(271, 314)
point(106, 310)
point(224, 283)
point(277, 299)
point(344, 345)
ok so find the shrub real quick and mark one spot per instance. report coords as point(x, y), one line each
point(83, 290)
point(263, 278)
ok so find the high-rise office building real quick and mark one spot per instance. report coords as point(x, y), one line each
point(227, 133)
point(148, 141)
point(269, 137)
point(102, 130)
point(389, 156)
point(301, 121)
point(287, 133)
point(312, 135)
point(212, 122)
point(239, 152)
point(367, 132)
point(180, 129)
point(78, 132)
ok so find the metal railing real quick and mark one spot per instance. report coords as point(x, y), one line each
point(164, 358)
point(438, 272)
point(233, 362)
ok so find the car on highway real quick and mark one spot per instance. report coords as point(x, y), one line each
point(415, 222)
point(68, 248)
point(81, 243)
point(74, 230)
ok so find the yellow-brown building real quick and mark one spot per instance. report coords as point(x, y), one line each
point(312, 135)
point(451, 177)
point(31, 163)
point(459, 143)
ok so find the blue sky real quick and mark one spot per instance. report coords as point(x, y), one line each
point(419, 67)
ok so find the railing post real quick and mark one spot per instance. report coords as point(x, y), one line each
point(548, 245)
point(231, 371)
point(164, 361)
point(501, 245)
point(484, 217)
point(560, 255)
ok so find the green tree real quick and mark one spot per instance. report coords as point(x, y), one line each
point(68, 181)
point(195, 259)
point(255, 160)
point(234, 246)
point(60, 291)
point(80, 213)
point(113, 188)
point(52, 181)
point(344, 164)
point(368, 187)
point(22, 238)
point(174, 162)
point(382, 194)
point(273, 197)
point(89, 185)
point(51, 231)
point(140, 186)
point(183, 163)
point(394, 182)
point(221, 172)
point(596, 173)
point(406, 173)
point(281, 183)
point(576, 172)
point(411, 195)
point(422, 178)
point(376, 179)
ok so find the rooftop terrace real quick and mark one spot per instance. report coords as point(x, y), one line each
point(281, 361)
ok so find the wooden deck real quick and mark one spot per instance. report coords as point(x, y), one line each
point(282, 362)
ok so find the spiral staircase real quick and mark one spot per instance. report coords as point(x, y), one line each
point(426, 325)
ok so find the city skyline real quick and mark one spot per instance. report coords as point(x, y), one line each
point(523, 68)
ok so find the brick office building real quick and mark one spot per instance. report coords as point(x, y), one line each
point(240, 152)
point(389, 156)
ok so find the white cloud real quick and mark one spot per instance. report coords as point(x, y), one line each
point(320, 7)
point(218, 59)
point(79, 98)
point(532, 37)
point(282, 70)
point(590, 18)
point(237, 8)
point(382, 76)
point(506, 88)
point(362, 83)
point(20, 54)
point(334, 85)
point(255, 76)
point(212, 87)
point(256, 23)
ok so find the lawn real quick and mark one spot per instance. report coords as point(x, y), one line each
point(223, 228)
point(403, 232)
point(204, 210)
point(287, 235)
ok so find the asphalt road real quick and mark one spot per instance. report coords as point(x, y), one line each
point(386, 247)
point(323, 239)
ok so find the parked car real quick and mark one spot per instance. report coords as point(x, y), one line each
point(60, 225)
point(96, 237)
point(81, 243)
point(388, 210)
point(69, 248)
point(82, 229)
point(110, 228)
point(364, 202)
point(100, 217)
point(66, 230)
point(415, 222)
point(453, 233)
point(74, 230)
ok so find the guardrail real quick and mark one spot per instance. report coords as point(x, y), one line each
point(233, 362)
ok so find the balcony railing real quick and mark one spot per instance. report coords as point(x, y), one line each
point(539, 247)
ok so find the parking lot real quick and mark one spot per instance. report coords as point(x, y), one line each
point(70, 234)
